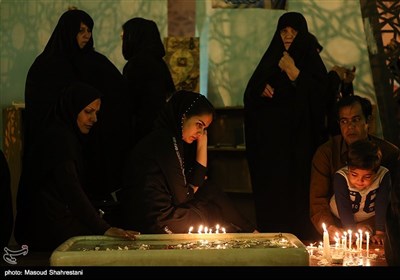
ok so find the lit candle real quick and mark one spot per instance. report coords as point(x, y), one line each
point(200, 229)
point(350, 244)
point(326, 245)
point(345, 240)
point(358, 241)
point(205, 229)
point(361, 239)
point(337, 240)
point(190, 230)
point(217, 228)
point(367, 234)
point(223, 230)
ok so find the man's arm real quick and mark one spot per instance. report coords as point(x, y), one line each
point(321, 189)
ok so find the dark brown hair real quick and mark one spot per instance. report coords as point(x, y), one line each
point(364, 154)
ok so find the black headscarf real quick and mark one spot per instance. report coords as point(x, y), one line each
point(72, 101)
point(141, 35)
point(61, 140)
point(182, 103)
point(52, 71)
point(63, 39)
point(303, 46)
point(63, 129)
point(283, 132)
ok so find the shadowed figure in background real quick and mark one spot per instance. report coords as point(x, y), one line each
point(284, 103)
point(147, 75)
point(340, 84)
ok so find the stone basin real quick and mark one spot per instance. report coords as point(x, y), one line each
point(229, 249)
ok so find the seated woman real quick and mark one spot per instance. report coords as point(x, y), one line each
point(52, 205)
point(165, 188)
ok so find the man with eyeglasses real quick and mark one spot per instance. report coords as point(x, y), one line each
point(354, 115)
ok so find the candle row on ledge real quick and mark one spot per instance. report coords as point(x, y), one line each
point(206, 230)
point(341, 242)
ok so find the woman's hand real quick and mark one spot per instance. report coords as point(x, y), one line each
point(202, 140)
point(118, 232)
point(268, 91)
point(286, 63)
point(201, 153)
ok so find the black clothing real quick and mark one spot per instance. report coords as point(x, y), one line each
point(392, 242)
point(52, 71)
point(6, 213)
point(110, 140)
point(337, 89)
point(146, 73)
point(157, 194)
point(52, 204)
point(63, 62)
point(282, 132)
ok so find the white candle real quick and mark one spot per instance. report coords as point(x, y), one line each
point(357, 241)
point(217, 228)
point(345, 240)
point(326, 244)
point(367, 234)
point(350, 233)
point(200, 229)
point(361, 239)
point(190, 230)
point(337, 240)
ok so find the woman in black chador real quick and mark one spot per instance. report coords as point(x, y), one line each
point(165, 188)
point(284, 106)
point(52, 203)
point(70, 56)
point(146, 73)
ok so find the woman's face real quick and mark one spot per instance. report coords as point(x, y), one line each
point(195, 126)
point(88, 116)
point(83, 35)
point(288, 34)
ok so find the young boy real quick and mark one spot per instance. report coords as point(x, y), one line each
point(361, 190)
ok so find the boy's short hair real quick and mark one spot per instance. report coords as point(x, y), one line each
point(364, 154)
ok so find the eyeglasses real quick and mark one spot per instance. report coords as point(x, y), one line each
point(354, 120)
